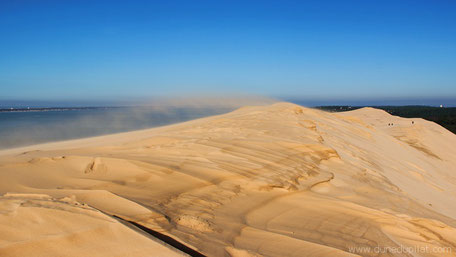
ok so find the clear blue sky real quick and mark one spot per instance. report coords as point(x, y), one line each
point(330, 49)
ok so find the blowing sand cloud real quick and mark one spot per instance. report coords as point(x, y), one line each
point(38, 127)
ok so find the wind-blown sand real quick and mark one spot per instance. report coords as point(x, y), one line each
point(279, 180)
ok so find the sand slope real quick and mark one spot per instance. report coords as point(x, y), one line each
point(279, 180)
point(38, 225)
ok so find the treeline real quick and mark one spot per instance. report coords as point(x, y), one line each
point(446, 116)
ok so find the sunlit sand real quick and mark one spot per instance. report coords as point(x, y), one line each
point(277, 180)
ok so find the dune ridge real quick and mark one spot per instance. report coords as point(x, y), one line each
point(277, 180)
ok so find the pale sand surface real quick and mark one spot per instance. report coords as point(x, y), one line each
point(278, 180)
point(38, 225)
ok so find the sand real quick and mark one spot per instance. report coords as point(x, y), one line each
point(277, 180)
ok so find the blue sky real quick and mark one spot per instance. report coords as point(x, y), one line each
point(313, 49)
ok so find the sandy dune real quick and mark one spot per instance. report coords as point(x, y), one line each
point(38, 225)
point(278, 180)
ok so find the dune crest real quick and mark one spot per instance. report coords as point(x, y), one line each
point(278, 180)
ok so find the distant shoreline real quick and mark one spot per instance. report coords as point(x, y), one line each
point(332, 108)
point(47, 109)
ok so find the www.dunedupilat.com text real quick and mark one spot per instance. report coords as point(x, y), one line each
point(400, 249)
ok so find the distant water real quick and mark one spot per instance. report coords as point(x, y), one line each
point(33, 127)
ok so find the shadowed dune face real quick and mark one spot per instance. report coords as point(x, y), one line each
point(279, 180)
